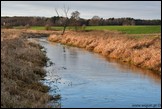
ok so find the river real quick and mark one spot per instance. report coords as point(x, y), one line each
point(87, 79)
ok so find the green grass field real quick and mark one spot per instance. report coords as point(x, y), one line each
point(123, 29)
point(43, 28)
point(129, 29)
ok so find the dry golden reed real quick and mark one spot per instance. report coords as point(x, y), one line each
point(144, 52)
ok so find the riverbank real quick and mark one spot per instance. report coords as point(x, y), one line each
point(83, 75)
point(22, 65)
point(143, 51)
point(21, 69)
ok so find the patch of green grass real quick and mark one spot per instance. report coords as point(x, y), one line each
point(44, 28)
point(129, 29)
point(37, 27)
point(124, 29)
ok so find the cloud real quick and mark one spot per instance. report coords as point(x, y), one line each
point(105, 9)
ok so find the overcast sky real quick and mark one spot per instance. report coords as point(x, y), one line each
point(87, 9)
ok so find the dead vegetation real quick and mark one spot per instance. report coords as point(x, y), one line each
point(21, 68)
point(144, 52)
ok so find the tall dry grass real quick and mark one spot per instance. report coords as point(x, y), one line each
point(144, 52)
point(21, 68)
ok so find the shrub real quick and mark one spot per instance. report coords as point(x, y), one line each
point(47, 27)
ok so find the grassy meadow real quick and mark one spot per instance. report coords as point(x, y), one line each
point(123, 29)
point(129, 29)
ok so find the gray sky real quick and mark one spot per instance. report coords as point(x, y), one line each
point(87, 9)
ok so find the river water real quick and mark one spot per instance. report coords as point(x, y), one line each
point(87, 79)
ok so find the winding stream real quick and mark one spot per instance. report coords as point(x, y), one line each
point(86, 79)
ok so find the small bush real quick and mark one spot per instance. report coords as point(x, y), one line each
point(83, 27)
point(8, 27)
point(27, 26)
point(47, 27)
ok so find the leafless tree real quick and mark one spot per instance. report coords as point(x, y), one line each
point(65, 22)
point(75, 18)
point(75, 15)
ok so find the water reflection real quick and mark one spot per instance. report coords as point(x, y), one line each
point(90, 80)
point(142, 72)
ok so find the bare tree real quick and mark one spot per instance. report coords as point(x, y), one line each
point(75, 18)
point(75, 15)
point(65, 22)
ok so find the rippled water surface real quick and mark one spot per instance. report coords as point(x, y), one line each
point(86, 79)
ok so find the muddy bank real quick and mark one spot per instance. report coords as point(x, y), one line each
point(144, 52)
point(22, 65)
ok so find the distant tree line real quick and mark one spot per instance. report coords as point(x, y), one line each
point(73, 21)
